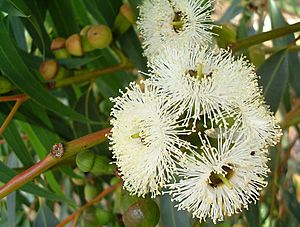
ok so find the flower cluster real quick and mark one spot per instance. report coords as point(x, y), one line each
point(193, 90)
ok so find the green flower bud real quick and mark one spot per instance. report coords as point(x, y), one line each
point(73, 45)
point(144, 213)
point(104, 217)
point(90, 192)
point(88, 161)
point(58, 47)
point(85, 160)
point(99, 36)
point(89, 217)
point(62, 72)
point(5, 85)
point(49, 69)
point(78, 181)
point(84, 30)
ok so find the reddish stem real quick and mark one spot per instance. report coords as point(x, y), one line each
point(90, 203)
point(71, 149)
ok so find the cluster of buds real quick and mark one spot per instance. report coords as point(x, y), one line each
point(91, 37)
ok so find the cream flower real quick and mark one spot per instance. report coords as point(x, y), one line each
point(144, 140)
point(173, 22)
point(257, 122)
point(204, 82)
point(222, 180)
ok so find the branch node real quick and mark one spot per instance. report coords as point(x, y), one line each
point(57, 150)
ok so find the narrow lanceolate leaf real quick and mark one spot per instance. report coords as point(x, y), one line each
point(13, 66)
point(252, 215)
point(6, 174)
point(170, 216)
point(294, 69)
point(45, 217)
point(292, 203)
point(15, 142)
point(277, 21)
point(274, 78)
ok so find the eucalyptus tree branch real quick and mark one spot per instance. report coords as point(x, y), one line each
point(56, 156)
point(265, 36)
point(90, 203)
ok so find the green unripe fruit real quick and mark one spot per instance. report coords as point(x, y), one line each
point(84, 30)
point(144, 213)
point(85, 160)
point(103, 216)
point(90, 192)
point(5, 85)
point(49, 69)
point(62, 72)
point(99, 36)
point(73, 45)
point(89, 217)
point(87, 47)
point(88, 161)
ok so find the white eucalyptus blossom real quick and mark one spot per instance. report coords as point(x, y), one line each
point(144, 140)
point(221, 180)
point(174, 22)
point(206, 83)
point(257, 122)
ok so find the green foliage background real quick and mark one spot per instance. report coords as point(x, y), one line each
point(63, 114)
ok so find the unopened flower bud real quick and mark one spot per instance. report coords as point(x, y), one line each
point(73, 45)
point(126, 11)
point(5, 85)
point(99, 36)
point(58, 43)
point(49, 69)
point(88, 161)
point(90, 192)
point(103, 216)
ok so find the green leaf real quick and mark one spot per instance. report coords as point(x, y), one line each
point(6, 174)
point(9, 8)
point(41, 139)
point(170, 216)
point(132, 47)
point(25, 81)
point(63, 17)
point(252, 215)
point(14, 140)
point(109, 9)
point(233, 10)
point(77, 62)
point(292, 203)
point(274, 77)
point(45, 217)
point(294, 69)
point(277, 20)
point(34, 23)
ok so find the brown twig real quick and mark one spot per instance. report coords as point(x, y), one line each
point(90, 203)
point(71, 149)
point(19, 100)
